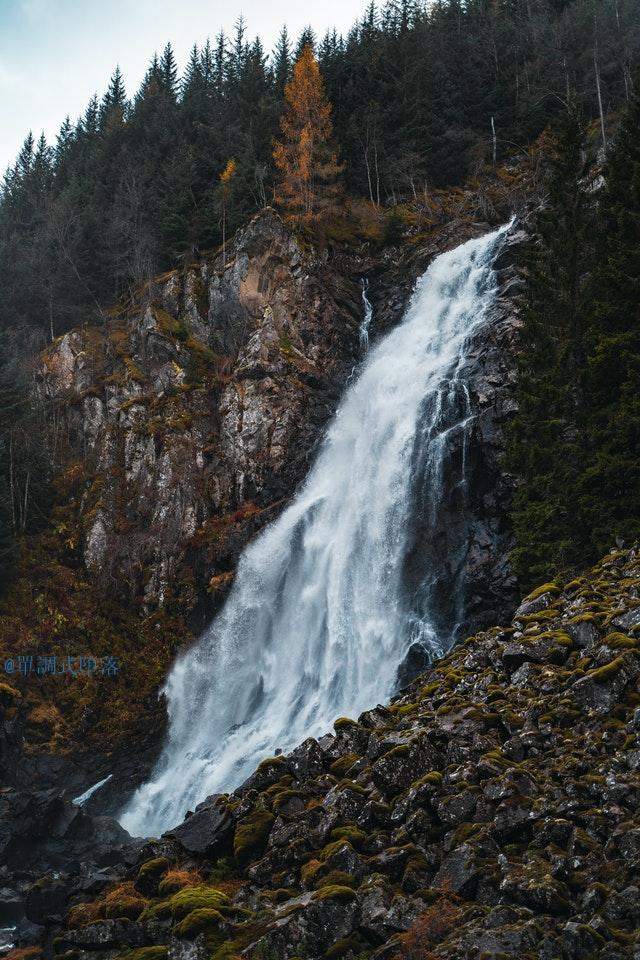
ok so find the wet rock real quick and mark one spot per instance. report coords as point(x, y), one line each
point(209, 827)
point(545, 648)
point(458, 872)
point(580, 940)
point(600, 690)
point(623, 907)
point(543, 602)
point(311, 931)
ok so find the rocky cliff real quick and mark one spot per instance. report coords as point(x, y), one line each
point(491, 810)
point(197, 407)
point(181, 426)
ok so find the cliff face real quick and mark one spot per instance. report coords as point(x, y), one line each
point(188, 419)
point(195, 412)
point(196, 408)
point(490, 810)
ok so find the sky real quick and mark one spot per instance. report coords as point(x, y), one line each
point(55, 54)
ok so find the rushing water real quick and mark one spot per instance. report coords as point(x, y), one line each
point(367, 315)
point(317, 622)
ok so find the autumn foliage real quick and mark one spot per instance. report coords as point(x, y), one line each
point(431, 928)
point(305, 157)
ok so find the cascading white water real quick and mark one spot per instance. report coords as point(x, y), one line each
point(367, 315)
point(317, 623)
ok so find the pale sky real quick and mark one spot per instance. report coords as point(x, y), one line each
point(54, 54)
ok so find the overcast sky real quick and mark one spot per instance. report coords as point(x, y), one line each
point(54, 54)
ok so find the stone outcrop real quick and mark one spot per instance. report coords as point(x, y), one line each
point(490, 810)
point(194, 412)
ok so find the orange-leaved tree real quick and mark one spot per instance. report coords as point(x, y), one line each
point(306, 157)
point(226, 178)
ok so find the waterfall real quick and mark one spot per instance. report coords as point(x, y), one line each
point(367, 314)
point(317, 623)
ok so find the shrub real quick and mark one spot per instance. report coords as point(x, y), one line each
point(431, 928)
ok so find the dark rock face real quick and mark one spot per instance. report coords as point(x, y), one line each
point(198, 410)
point(491, 817)
point(464, 558)
point(207, 828)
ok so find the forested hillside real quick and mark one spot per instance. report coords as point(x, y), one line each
point(576, 439)
point(422, 96)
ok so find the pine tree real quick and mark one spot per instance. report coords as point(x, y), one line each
point(282, 61)
point(545, 447)
point(8, 545)
point(114, 102)
point(610, 491)
point(306, 158)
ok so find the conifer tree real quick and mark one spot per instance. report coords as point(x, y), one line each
point(282, 60)
point(610, 490)
point(8, 546)
point(545, 441)
point(306, 158)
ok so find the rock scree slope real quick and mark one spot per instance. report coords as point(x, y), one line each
point(491, 810)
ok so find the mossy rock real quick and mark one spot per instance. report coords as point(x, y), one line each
point(281, 895)
point(127, 907)
point(145, 953)
point(198, 921)
point(433, 777)
point(348, 946)
point(353, 834)
point(335, 892)
point(196, 898)
point(336, 878)
point(251, 836)
point(343, 723)
point(342, 764)
point(620, 641)
point(154, 868)
point(270, 762)
point(150, 874)
point(539, 591)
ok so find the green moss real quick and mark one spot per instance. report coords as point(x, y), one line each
point(268, 762)
point(124, 907)
point(341, 948)
point(343, 723)
point(145, 953)
point(620, 641)
point(539, 591)
point(335, 878)
point(434, 777)
point(402, 750)
point(154, 868)
point(353, 834)
point(342, 764)
point(196, 922)
point(332, 848)
point(195, 898)
point(609, 670)
point(335, 892)
point(251, 836)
